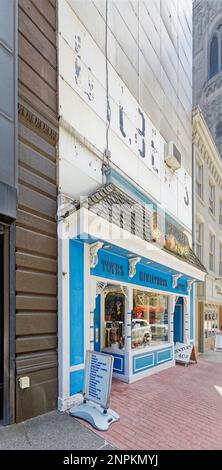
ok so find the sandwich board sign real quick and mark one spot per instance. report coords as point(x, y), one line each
point(184, 353)
point(96, 392)
point(98, 378)
point(218, 341)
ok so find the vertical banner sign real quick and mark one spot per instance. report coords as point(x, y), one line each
point(98, 378)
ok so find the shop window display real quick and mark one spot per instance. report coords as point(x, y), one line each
point(114, 321)
point(210, 324)
point(149, 319)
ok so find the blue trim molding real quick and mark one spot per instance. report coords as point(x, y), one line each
point(118, 363)
point(76, 303)
point(147, 360)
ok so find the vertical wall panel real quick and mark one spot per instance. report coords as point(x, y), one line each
point(36, 246)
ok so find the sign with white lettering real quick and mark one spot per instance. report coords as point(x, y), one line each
point(98, 377)
point(184, 353)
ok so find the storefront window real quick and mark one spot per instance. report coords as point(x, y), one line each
point(210, 324)
point(114, 321)
point(149, 319)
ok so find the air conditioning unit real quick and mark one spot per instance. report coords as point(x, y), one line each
point(172, 156)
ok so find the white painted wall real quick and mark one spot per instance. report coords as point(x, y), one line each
point(82, 109)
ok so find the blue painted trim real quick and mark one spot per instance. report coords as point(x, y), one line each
point(113, 266)
point(150, 359)
point(164, 355)
point(118, 363)
point(76, 301)
point(76, 381)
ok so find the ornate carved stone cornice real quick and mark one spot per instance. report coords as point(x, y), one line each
point(32, 120)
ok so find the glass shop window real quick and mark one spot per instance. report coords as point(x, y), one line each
point(149, 319)
point(210, 324)
point(114, 321)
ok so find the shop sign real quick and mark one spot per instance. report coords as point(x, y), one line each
point(184, 353)
point(114, 267)
point(98, 378)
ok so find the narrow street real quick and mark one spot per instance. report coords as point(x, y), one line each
point(179, 408)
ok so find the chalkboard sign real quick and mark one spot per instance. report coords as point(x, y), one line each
point(98, 378)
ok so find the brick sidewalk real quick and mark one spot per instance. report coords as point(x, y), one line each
point(176, 409)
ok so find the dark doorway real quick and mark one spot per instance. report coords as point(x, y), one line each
point(179, 321)
point(1, 327)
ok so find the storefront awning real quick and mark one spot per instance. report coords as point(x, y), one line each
point(111, 215)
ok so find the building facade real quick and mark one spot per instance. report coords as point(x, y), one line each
point(207, 64)
point(125, 265)
point(36, 245)
point(8, 202)
point(207, 231)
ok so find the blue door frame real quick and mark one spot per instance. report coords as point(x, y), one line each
point(97, 325)
point(179, 321)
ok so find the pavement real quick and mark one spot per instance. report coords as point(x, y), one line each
point(51, 431)
point(179, 408)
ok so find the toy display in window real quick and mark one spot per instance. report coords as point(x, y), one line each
point(141, 333)
point(114, 320)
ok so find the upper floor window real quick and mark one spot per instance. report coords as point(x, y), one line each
point(199, 239)
point(215, 52)
point(211, 198)
point(199, 180)
point(214, 55)
point(220, 212)
point(212, 252)
point(219, 130)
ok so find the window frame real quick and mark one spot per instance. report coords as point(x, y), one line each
point(199, 179)
point(212, 200)
point(211, 252)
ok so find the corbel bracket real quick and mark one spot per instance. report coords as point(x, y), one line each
point(175, 278)
point(94, 248)
point(125, 291)
point(132, 265)
point(189, 284)
point(100, 286)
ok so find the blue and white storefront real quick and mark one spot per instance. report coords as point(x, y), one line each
point(122, 295)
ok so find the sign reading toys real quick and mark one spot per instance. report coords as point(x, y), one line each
point(185, 353)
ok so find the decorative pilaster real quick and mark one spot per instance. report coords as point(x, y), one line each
point(96, 289)
point(171, 306)
point(128, 317)
point(186, 304)
point(92, 308)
